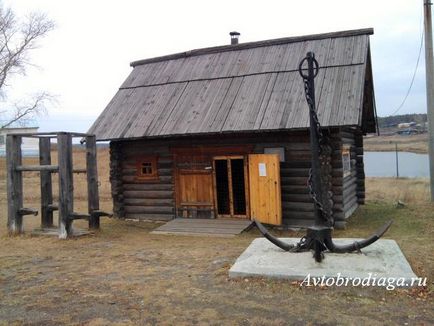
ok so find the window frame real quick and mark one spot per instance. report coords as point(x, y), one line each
point(347, 165)
point(153, 160)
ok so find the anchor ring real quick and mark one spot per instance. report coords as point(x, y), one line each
point(315, 69)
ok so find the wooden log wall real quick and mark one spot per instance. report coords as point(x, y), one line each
point(360, 167)
point(116, 179)
point(155, 199)
point(353, 185)
point(139, 199)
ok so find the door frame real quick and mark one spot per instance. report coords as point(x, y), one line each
point(228, 158)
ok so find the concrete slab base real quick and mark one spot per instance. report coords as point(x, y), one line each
point(383, 259)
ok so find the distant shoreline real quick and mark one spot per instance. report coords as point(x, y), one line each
point(387, 143)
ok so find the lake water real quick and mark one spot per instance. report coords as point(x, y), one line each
point(383, 164)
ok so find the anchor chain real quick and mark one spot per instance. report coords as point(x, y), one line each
point(324, 205)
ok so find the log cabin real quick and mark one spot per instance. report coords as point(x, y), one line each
point(222, 132)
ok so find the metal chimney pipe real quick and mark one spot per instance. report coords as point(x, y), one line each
point(234, 37)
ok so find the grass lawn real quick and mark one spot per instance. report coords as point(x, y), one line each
point(123, 275)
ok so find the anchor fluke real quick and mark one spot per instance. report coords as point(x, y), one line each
point(283, 245)
point(357, 245)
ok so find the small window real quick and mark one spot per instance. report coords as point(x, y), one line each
point(147, 168)
point(346, 160)
point(2, 139)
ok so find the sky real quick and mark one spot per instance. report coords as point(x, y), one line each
point(85, 59)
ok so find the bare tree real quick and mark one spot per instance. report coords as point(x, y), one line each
point(18, 37)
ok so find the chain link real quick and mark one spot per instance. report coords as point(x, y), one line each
point(323, 149)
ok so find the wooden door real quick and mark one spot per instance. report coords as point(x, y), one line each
point(195, 194)
point(264, 183)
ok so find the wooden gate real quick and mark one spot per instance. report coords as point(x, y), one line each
point(264, 181)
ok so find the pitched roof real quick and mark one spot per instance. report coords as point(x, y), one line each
point(246, 87)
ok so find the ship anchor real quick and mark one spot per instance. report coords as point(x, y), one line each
point(319, 236)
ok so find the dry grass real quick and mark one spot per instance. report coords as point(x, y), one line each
point(123, 275)
point(412, 143)
point(414, 191)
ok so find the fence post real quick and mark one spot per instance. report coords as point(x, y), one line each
point(92, 182)
point(14, 184)
point(46, 183)
point(396, 158)
point(66, 185)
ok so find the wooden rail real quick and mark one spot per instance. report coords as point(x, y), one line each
point(49, 168)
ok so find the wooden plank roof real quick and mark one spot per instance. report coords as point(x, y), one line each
point(247, 87)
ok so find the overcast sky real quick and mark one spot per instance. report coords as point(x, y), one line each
point(86, 58)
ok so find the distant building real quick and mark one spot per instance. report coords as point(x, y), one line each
point(406, 125)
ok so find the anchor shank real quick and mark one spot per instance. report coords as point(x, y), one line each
point(314, 137)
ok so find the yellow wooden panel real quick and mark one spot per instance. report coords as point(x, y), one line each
point(264, 184)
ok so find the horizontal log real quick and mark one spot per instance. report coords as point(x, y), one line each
point(149, 186)
point(351, 210)
point(50, 168)
point(347, 134)
point(79, 216)
point(294, 165)
point(348, 191)
point(100, 213)
point(301, 207)
point(149, 201)
point(302, 198)
point(149, 209)
point(294, 189)
point(53, 207)
point(293, 181)
point(28, 211)
point(148, 194)
point(297, 215)
point(294, 172)
point(145, 148)
point(298, 223)
point(350, 201)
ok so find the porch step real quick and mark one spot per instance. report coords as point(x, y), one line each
point(204, 227)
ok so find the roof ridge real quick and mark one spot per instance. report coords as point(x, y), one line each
point(256, 44)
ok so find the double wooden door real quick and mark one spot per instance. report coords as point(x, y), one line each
point(233, 186)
